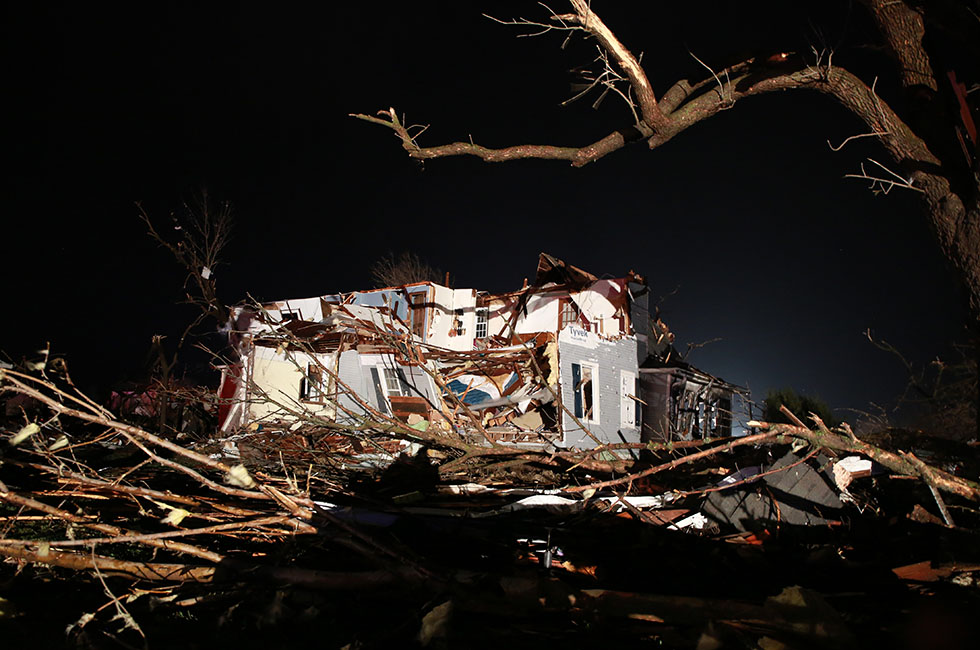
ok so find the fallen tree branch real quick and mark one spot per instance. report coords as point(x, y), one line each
point(736, 442)
point(894, 461)
point(183, 573)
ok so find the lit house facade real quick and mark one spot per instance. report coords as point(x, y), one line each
point(569, 361)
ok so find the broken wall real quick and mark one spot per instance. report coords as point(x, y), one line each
point(308, 309)
point(277, 382)
point(452, 323)
point(655, 391)
point(639, 312)
point(684, 404)
point(613, 366)
point(376, 378)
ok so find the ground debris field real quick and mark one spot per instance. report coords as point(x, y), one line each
point(113, 536)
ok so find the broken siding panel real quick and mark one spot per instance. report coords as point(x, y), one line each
point(608, 359)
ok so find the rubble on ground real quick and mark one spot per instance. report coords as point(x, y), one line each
point(733, 543)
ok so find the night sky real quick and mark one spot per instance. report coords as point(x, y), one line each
point(743, 225)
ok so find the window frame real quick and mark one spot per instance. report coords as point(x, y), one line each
point(311, 386)
point(568, 314)
point(402, 391)
point(578, 390)
point(629, 406)
point(482, 323)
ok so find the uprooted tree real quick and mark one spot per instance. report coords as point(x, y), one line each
point(927, 129)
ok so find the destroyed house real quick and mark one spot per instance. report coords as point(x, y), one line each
point(570, 360)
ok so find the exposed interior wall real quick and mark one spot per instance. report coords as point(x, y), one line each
point(602, 304)
point(541, 315)
point(453, 318)
point(280, 377)
point(684, 405)
point(498, 315)
point(308, 309)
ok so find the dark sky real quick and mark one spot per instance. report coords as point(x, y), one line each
point(744, 225)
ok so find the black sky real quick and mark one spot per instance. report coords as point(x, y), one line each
point(744, 224)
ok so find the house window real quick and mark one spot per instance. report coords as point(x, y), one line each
point(285, 316)
point(311, 385)
point(568, 314)
point(458, 322)
point(482, 317)
point(394, 384)
point(629, 405)
point(583, 384)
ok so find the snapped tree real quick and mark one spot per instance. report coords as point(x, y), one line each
point(927, 129)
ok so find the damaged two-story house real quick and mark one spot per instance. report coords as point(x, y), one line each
point(569, 360)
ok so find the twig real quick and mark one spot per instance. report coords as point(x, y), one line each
point(885, 185)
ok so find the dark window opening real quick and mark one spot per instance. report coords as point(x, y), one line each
point(311, 385)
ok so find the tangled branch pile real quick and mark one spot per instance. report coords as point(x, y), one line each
point(168, 528)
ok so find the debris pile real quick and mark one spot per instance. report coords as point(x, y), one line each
point(473, 470)
point(739, 541)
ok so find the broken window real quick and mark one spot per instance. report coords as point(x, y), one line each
point(286, 316)
point(311, 385)
point(482, 318)
point(586, 406)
